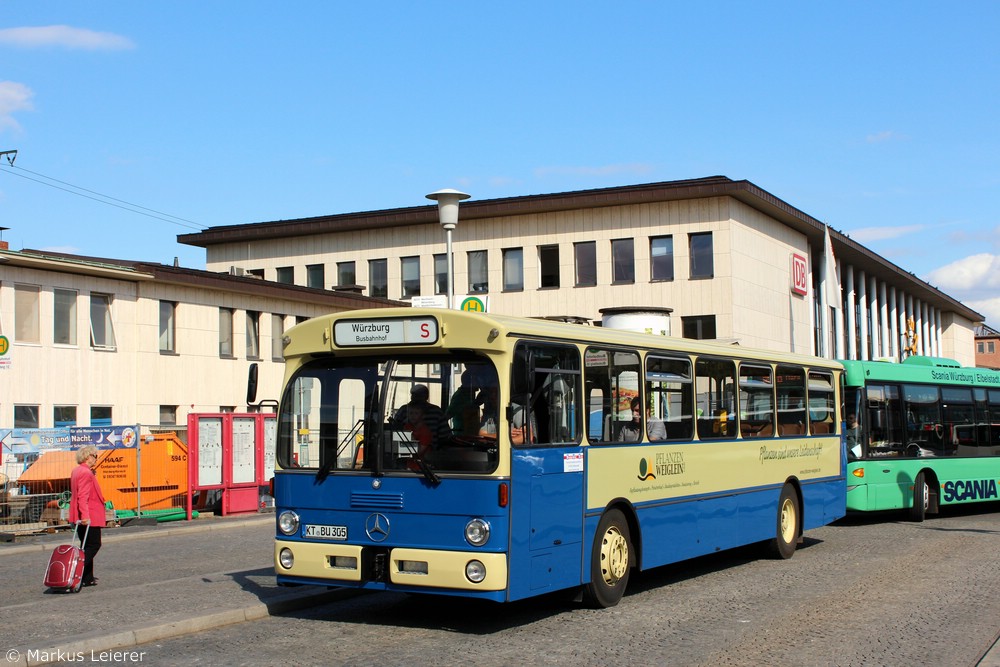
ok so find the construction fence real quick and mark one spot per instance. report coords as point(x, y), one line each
point(141, 475)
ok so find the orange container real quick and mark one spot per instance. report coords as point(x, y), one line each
point(163, 474)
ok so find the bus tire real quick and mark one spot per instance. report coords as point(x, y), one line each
point(609, 561)
point(787, 524)
point(921, 498)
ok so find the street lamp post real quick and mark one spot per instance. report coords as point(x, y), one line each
point(448, 215)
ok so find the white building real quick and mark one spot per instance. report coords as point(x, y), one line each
point(97, 342)
point(729, 259)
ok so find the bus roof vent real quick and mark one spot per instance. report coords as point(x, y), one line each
point(940, 362)
point(644, 319)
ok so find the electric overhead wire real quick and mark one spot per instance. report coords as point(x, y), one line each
point(107, 199)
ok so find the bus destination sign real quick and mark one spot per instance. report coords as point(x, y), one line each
point(400, 331)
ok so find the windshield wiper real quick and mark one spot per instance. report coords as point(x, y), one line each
point(427, 471)
point(331, 462)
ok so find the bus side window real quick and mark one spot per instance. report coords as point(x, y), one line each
point(821, 401)
point(791, 385)
point(612, 382)
point(715, 382)
point(544, 405)
point(669, 399)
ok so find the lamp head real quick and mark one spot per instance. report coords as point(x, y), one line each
point(448, 206)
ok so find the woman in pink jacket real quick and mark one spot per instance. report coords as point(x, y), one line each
point(86, 508)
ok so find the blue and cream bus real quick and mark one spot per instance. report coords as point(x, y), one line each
point(439, 451)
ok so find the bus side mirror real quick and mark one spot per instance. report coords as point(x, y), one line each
point(252, 384)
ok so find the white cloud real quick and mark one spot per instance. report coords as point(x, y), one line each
point(884, 136)
point(64, 36)
point(976, 272)
point(989, 308)
point(502, 181)
point(605, 170)
point(869, 234)
point(14, 97)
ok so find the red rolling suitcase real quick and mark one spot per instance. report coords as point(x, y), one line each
point(65, 570)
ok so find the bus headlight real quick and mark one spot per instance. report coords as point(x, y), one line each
point(477, 532)
point(288, 522)
point(475, 571)
point(286, 559)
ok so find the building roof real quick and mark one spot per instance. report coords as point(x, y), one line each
point(137, 271)
point(845, 249)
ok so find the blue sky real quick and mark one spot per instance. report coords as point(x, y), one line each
point(880, 119)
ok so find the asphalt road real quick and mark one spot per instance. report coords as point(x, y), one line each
point(871, 591)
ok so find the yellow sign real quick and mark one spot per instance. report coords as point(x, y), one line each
point(4, 345)
point(474, 305)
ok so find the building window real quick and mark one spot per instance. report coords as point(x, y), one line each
point(286, 275)
point(378, 278)
point(700, 247)
point(64, 317)
point(699, 327)
point(548, 265)
point(100, 415)
point(168, 415)
point(410, 270)
point(63, 416)
point(990, 348)
point(661, 258)
point(227, 408)
point(226, 332)
point(253, 334)
point(102, 329)
point(168, 313)
point(315, 276)
point(513, 269)
point(479, 280)
point(622, 261)
point(979, 347)
point(440, 274)
point(585, 258)
point(26, 315)
point(25, 416)
point(256, 273)
point(277, 332)
point(346, 275)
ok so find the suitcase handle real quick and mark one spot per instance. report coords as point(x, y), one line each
point(83, 540)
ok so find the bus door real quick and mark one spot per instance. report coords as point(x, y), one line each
point(547, 481)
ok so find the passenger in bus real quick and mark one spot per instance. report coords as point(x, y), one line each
point(657, 430)
point(489, 399)
point(463, 409)
point(851, 434)
point(432, 415)
point(519, 431)
point(632, 431)
point(416, 423)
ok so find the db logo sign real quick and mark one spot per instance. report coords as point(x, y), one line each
point(800, 275)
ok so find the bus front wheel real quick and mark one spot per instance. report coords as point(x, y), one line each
point(921, 498)
point(609, 561)
point(787, 529)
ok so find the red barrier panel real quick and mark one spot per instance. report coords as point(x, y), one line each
point(231, 454)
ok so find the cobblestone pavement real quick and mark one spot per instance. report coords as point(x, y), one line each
point(871, 591)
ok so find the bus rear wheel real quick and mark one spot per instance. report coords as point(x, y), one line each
point(788, 521)
point(609, 561)
point(921, 498)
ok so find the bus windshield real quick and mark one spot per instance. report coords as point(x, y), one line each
point(422, 415)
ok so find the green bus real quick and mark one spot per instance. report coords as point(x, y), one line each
point(920, 434)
